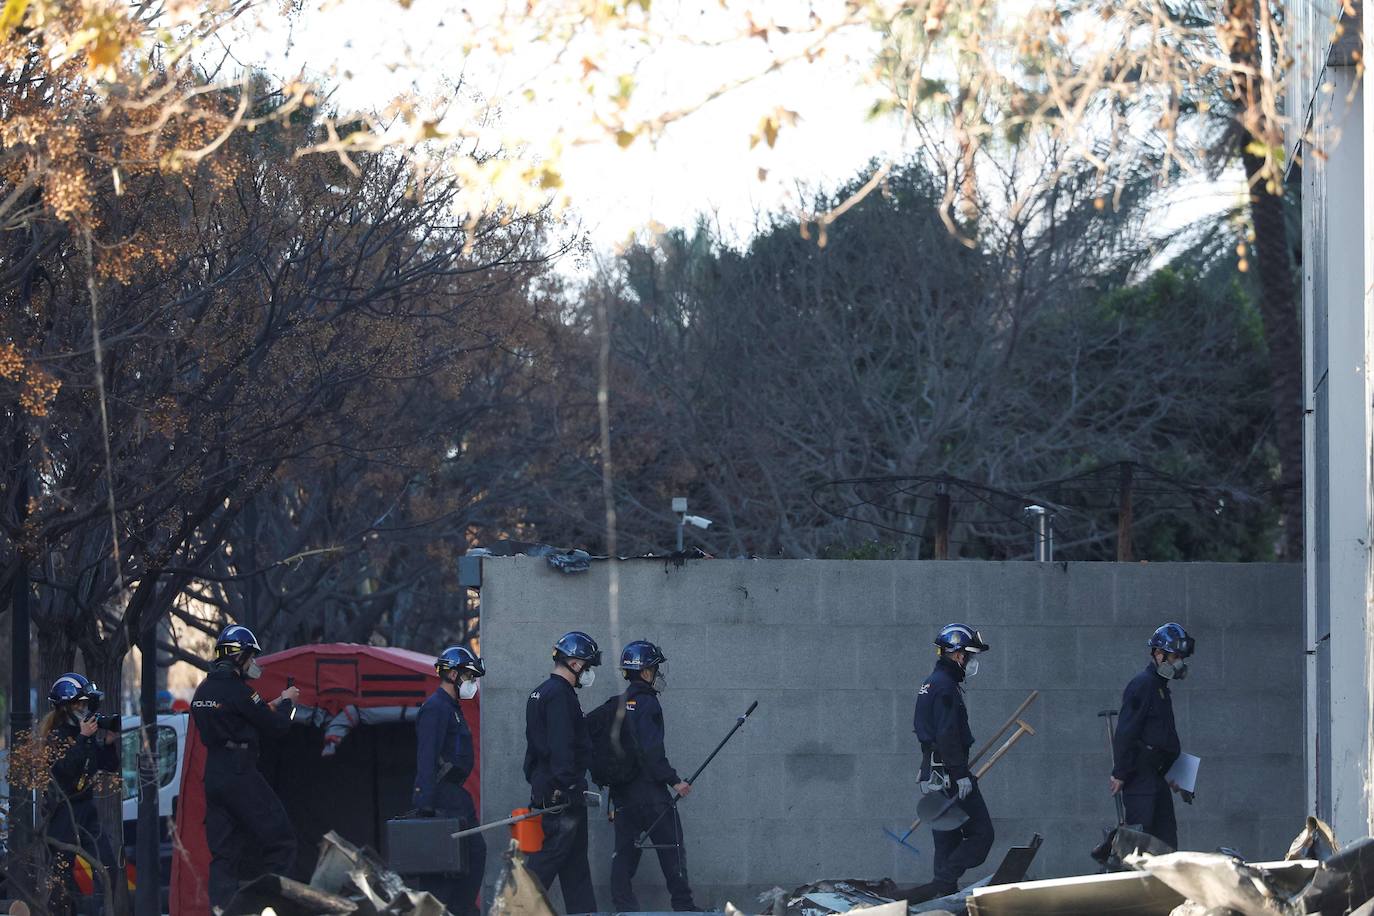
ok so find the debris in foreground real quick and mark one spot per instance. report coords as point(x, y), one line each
point(348, 881)
point(1330, 881)
point(854, 896)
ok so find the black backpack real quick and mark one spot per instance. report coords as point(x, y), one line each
point(615, 749)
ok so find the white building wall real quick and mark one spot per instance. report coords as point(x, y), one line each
point(1329, 113)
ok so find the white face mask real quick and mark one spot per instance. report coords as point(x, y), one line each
point(467, 690)
point(971, 668)
point(587, 678)
point(253, 672)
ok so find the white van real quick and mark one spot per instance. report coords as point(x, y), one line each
point(171, 744)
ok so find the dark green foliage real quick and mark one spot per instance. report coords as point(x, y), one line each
point(746, 378)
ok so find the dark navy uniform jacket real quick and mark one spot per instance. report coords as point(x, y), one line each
point(644, 714)
point(941, 721)
point(229, 714)
point(558, 749)
point(81, 758)
point(1146, 743)
point(443, 737)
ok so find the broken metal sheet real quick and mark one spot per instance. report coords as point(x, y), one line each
point(1220, 881)
point(339, 859)
point(1013, 868)
point(286, 898)
point(823, 898)
point(369, 887)
point(1317, 841)
point(417, 903)
point(1121, 894)
point(1344, 881)
point(839, 896)
point(835, 903)
point(1017, 862)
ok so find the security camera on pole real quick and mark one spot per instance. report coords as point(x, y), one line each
point(683, 519)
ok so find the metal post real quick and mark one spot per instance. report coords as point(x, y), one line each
point(942, 521)
point(148, 891)
point(1124, 514)
point(680, 507)
point(1044, 532)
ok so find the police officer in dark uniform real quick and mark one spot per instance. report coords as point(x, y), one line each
point(80, 750)
point(1146, 742)
point(558, 751)
point(645, 803)
point(941, 724)
point(444, 758)
point(245, 822)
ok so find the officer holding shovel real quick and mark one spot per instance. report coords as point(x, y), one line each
point(1146, 742)
point(941, 725)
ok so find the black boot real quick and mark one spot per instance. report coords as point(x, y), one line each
point(920, 893)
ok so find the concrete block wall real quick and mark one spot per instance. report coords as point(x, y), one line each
point(834, 652)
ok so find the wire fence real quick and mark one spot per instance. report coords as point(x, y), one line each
point(1095, 514)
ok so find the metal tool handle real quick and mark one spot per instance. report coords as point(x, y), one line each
point(538, 812)
point(1109, 715)
point(738, 722)
point(691, 779)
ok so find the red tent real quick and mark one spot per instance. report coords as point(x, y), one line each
point(347, 767)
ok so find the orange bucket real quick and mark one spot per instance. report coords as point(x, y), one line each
point(528, 834)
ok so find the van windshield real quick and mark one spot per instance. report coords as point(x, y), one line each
point(166, 758)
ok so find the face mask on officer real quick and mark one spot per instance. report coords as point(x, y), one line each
point(1172, 667)
point(78, 711)
point(967, 661)
point(251, 671)
point(467, 689)
point(586, 677)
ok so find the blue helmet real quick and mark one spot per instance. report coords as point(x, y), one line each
point(1173, 638)
point(234, 640)
point(455, 657)
point(641, 654)
point(577, 645)
point(960, 637)
point(71, 687)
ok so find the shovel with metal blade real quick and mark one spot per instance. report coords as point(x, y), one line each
point(942, 811)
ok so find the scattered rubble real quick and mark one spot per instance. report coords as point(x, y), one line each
point(1317, 879)
point(853, 896)
point(348, 881)
point(1217, 881)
